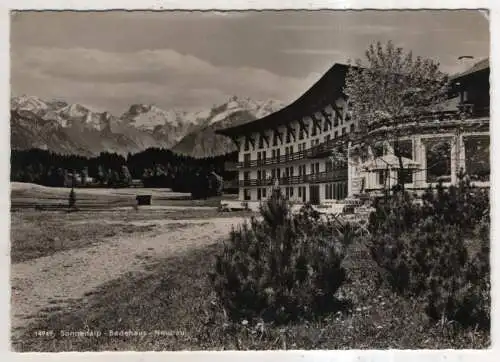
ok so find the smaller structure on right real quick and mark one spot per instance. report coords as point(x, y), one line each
point(437, 148)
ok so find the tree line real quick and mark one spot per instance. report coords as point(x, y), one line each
point(154, 167)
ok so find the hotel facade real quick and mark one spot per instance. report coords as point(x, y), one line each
point(292, 147)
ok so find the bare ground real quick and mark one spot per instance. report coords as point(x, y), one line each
point(52, 281)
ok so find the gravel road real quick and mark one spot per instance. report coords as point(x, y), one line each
point(51, 281)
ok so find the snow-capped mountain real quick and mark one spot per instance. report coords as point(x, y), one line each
point(74, 128)
point(204, 141)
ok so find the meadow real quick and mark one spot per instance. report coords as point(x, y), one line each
point(143, 273)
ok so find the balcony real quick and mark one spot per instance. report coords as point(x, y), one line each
point(322, 177)
point(321, 150)
point(324, 149)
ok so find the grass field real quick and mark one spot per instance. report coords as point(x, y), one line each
point(25, 195)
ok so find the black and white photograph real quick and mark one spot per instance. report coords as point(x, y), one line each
point(249, 180)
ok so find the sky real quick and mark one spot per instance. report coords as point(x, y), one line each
point(194, 60)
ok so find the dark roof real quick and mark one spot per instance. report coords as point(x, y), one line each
point(482, 65)
point(323, 92)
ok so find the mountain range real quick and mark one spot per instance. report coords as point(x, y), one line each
point(67, 128)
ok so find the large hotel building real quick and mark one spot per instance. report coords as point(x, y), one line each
point(292, 147)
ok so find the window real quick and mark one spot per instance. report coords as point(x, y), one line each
point(477, 157)
point(246, 175)
point(336, 120)
point(352, 127)
point(326, 126)
point(313, 130)
point(300, 191)
point(327, 192)
point(291, 191)
point(438, 156)
point(264, 192)
point(312, 168)
point(404, 148)
point(336, 134)
point(288, 136)
point(259, 196)
point(261, 141)
point(407, 176)
point(278, 154)
point(246, 158)
point(317, 167)
point(301, 134)
point(344, 130)
point(259, 175)
point(275, 138)
point(328, 166)
point(382, 177)
point(246, 194)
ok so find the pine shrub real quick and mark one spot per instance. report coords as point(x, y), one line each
point(437, 252)
point(283, 267)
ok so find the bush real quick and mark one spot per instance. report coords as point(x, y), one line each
point(427, 251)
point(72, 199)
point(282, 268)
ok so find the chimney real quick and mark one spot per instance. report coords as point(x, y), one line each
point(466, 62)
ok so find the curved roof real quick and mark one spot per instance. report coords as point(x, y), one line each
point(323, 92)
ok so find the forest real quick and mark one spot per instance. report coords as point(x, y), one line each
point(153, 167)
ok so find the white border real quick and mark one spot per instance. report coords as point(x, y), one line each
point(353, 355)
point(246, 4)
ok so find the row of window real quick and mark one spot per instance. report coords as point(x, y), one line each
point(336, 191)
point(277, 139)
point(438, 159)
point(333, 191)
point(288, 191)
point(314, 168)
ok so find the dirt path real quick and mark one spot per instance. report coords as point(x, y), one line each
point(53, 280)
